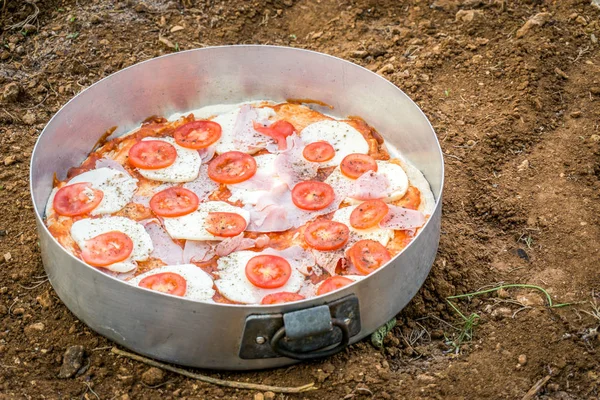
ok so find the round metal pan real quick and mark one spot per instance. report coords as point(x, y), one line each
point(221, 336)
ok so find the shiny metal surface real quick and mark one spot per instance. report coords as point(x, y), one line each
point(208, 335)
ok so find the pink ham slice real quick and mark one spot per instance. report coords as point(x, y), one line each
point(276, 212)
point(246, 139)
point(202, 186)
point(165, 248)
point(207, 154)
point(110, 163)
point(232, 244)
point(370, 185)
point(400, 218)
point(197, 251)
point(328, 260)
point(291, 166)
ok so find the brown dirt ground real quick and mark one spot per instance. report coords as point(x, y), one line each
point(518, 118)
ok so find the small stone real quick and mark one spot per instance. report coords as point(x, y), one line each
point(29, 118)
point(125, 397)
point(523, 166)
point(7, 256)
point(177, 28)
point(3, 309)
point(561, 73)
point(503, 294)
point(575, 114)
point(425, 378)
point(259, 396)
point(269, 396)
point(359, 54)
point(72, 361)
point(320, 375)
point(593, 38)
point(45, 300)
point(533, 22)
point(34, 329)
point(3, 290)
point(288, 3)
point(522, 359)
point(595, 138)
point(501, 312)
point(153, 376)
point(581, 20)
point(29, 28)
point(476, 59)
point(386, 69)
point(11, 92)
point(553, 387)
point(595, 90)
point(468, 15)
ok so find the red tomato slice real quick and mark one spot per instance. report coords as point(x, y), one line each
point(166, 282)
point(326, 235)
point(225, 224)
point(232, 167)
point(278, 130)
point(268, 272)
point(333, 283)
point(107, 248)
point(368, 255)
point(368, 214)
point(318, 152)
point(197, 134)
point(281, 297)
point(152, 154)
point(312, 195)
point(354, 165)
point(174, 202)
point(76, 199)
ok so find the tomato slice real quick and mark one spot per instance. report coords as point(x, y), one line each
point(318, 152)
point(152, 154)
point(76, 199)
point(354, 165)
point(281, 297)
point(268, 272)
point(225, 224)
point(326, 235)
point(333, 283)
point(166, 282)
point(278, 130)
point(368, 255)
point(107, 248)
point(174, 202)
point(232, 167)
point(368, 214)
point(312, 195)
point(197, 134)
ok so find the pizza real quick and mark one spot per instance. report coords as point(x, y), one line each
point(253, 203)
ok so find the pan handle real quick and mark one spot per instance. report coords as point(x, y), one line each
point(280, 334)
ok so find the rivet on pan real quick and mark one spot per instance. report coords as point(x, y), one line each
point(347, 321)
point(260, 340)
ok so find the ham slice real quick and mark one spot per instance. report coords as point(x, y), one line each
point(207, 154)
point(202, 186)
point(291, 166)
point(329, 260)
point(165, 248)
point(110, 163)
point(197, 251)
point(370, 185)
point(236, 243)
point(245, 138)
point(298, 258)
point(400, 218)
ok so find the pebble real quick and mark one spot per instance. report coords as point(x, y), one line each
point(11, 92)
point(29, 118)
point(37, 326)
point(523, 166)
point(45, 300)
point(425, 378)
point(503, 294)
point(595, 90)
point(72, 361)
point(595, 138)
point(581, 20)
point(7, 256)
point(468, 15)
point(269, 396)
point(386, 69)
point(501, 312)
point(522, 359)
point(561, 73)
point(259, 396)
point(153, 376)
point(359, 54)
point(575, 114)
point(18, 311)
point(30, 28)
point(535, 21)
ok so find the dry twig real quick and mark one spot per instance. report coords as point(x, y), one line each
point(215, 381)
point(536, 388)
